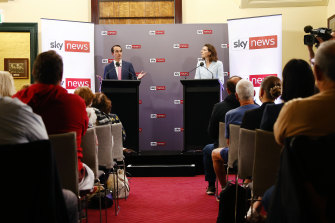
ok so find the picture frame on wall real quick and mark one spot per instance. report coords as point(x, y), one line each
point(331, 22)
point(18, 67)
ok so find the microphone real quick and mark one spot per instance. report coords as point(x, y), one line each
point(117, 64)
point(308, 29)
point(202, 64)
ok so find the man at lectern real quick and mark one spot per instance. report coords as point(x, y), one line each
point(211, 67)
point(120, 69)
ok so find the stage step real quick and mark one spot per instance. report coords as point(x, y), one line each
point(161, 170)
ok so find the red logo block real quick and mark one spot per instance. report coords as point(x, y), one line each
point(258, 78)
point(77, 46)
point(262, 42)
point(73, 83)
point(111, 33)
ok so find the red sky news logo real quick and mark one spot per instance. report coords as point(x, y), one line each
point(140, 129)
point(140, 102)
point(257, 79)
point(128, 47)
point(181, 74)
point(254, 43)
point(157, 60)
point(204, 31)
point(108, 33)
point(157, 143)
point(73, 83)
point(77, 46)
point(157, 88)
point(262, 42)
point(178, 129)
point(180, 45)
point(157, 115)
point(178, 102)
point(156, 32)
point(107, 60)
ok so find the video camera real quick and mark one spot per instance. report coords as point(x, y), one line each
point(310, 39)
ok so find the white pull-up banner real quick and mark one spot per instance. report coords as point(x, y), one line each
point(74, 41)
point(255, 48)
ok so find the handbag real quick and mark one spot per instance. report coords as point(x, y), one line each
point(118, 182)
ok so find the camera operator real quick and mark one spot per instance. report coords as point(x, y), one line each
point(316, 37)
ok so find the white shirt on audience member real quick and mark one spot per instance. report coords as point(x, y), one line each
point(18, 123)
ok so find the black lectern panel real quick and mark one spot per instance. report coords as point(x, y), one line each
point(199, 99)
point(125, 103)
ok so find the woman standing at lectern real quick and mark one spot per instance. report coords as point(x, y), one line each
point(209, 67)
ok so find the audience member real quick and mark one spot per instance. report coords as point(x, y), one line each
point(61, 112)
point(18, 124)
point(298, 81)
point(269, 91)
point(87, 94)
point(297, 116)
point(245, 95)
point(103, 108)
point(6, 84)
point(218, 115)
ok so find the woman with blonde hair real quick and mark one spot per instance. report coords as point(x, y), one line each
point(6, 84)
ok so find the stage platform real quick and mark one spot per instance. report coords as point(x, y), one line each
point(148, 164)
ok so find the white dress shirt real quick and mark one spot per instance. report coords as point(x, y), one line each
point(214, 71)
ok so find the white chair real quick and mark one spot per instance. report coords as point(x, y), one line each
point(222, 135)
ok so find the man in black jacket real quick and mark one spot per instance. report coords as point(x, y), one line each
point(218, 115)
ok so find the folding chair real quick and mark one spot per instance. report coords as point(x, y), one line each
point(90, 158)
point(234, 135)
point(30, 175)
point(222, 144)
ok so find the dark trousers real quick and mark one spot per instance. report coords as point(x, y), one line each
point(208, 164)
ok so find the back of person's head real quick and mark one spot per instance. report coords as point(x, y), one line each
point(48, 68)
point(6, 84)
point(245, 90)
point(231, 83)
point(86, 93)
point(298, 80)
point(325, 59)
point(101, 102)
point(212, 50)
point(272, 87)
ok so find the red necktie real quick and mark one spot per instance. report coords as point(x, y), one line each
point(119, 73)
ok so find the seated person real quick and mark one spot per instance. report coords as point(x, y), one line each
point(298, 81)
point(218, 115)
point(61, 112)
point(87, 94)
point(6, 84)
point(245, 95)
point(103, 107)
point(269, 91)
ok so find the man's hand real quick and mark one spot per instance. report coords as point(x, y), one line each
point(141, 75)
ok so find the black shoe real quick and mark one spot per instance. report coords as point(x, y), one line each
point(210, 190)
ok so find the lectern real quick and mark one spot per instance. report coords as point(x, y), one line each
point(125, 103)
point(199, 98)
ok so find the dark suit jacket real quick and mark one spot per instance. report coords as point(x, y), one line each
point(270, 116)
point(218, 115)
point(252, 118)
point(128, 72)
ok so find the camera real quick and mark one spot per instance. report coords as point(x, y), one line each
point(310, 39)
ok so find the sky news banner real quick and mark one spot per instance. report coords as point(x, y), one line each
point(255, 48)
point(74, 41)
point(168, 53)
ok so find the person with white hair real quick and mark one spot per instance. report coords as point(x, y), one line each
point(6, 84)
point(245, 95)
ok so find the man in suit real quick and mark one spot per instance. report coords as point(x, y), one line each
point(218, 115)
point(120, 69)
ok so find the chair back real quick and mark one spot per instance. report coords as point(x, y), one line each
point(266, 161)
point(234, 135)
point(29, 173)
point(105, 146)
point(246, 151)
point(117, 141)
point(64, 146)
point(90, 150)
point(222, 135)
